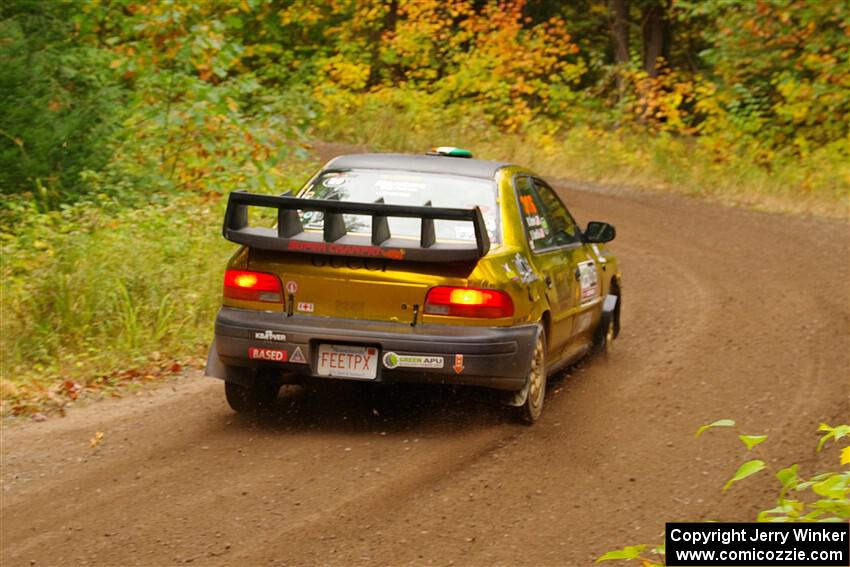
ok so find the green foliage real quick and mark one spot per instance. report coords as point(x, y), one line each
point(718, 423)
point(747, 469)
point(97, 287)
point(824, 497)
point(59, 102)
point(780, 68)
point(752, 440)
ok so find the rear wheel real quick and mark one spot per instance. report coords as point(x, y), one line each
point(252, 393)
point(532, 408)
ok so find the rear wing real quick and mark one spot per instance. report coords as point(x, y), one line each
point(289, 234)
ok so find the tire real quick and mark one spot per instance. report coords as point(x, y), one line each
point(251, 394)
point(531, 409)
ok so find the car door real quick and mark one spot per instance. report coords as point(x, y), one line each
point(550, 258)
point(580, 268)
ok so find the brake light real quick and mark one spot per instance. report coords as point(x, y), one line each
point(468, 302)
point(252, 286)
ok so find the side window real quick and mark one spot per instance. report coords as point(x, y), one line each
point(563, 228)
point(534, 219)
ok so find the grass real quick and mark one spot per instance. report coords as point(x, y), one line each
point(89, 292)
point(714, 168)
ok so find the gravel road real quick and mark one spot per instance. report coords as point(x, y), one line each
point(727, 313)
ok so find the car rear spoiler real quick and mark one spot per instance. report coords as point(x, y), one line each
point(290, 236)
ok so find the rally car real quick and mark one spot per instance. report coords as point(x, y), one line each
point(433, 268)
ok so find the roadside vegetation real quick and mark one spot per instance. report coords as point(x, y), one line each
point(821, 497)
point(123, 126)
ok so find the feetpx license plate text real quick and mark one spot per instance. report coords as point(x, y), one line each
point(346, 361)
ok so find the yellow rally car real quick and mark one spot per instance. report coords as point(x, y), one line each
point(412, 268)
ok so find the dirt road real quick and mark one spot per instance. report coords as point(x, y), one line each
point(727, 313)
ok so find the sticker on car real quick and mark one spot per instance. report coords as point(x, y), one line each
point(588, 281)
point(269, 335)
point(393, 360)
point(274, 355)
point(298, 356)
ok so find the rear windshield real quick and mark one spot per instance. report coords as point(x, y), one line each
point(406, 188)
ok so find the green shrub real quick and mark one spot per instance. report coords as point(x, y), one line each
point(59, 102)
point(823, 497)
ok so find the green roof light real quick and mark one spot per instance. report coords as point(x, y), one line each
point(450, 151)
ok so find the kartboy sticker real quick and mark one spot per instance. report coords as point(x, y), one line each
point(269, 335)
point(588, 281)
point(393, 360)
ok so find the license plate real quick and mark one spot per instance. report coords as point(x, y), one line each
point(346, 361)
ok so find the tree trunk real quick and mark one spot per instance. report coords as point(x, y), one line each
point(653, 29)
point(388, 26)
point(620, 29)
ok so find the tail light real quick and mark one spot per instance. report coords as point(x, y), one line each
point(468, 302)
point(252, 286)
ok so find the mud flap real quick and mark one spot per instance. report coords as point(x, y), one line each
point(214, 368)
point(608, 308)
point(518, 398)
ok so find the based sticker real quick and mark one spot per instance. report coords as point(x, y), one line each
point(269, 335)
point(298, 356)
point(274, 355)
point(393, 360)
point(291, 286)
point(458, 366)
point(588, 281)
point(305, 307)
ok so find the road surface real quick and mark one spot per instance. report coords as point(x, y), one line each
point(727, 313)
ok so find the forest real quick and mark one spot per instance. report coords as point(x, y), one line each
point(123, 124)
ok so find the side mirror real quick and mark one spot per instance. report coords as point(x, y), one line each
point(599, 232)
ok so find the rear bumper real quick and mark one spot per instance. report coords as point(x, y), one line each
point(495, 357)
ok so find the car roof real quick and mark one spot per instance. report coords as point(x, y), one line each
point(421, 163)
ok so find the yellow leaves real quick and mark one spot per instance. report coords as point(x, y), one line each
point(232, 105)
point(345, 73)
point(96, 440)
